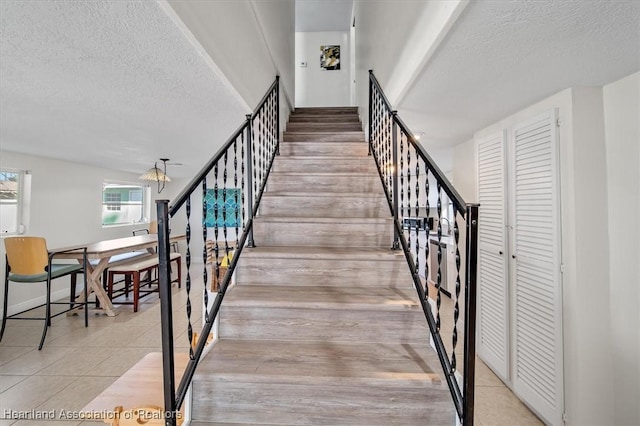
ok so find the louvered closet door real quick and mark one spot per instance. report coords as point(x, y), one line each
point(537, 368)
point(493, 295)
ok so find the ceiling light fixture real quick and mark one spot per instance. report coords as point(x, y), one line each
point(154, 174)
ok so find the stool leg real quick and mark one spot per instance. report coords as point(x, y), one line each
point(110, 286)
point(5, 304)
point(179, 263)
point(47, 315)
point(127, 283)
point(72, 291)
point(85, 301)
point(136, 290)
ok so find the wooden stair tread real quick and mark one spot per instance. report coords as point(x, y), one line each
point(326, 297)
point(334, 142)
point(336, 132)
point(376, 364)
point(362, 253)
point(343, 221)
point(371, 195)
point(335, 174)
point(326, 158)
point(346, 109)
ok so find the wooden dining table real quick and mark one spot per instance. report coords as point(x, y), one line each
point(99, 254)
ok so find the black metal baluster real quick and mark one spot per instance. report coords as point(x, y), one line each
point(188, 278)
point(409, 147)
point(456, 306)
point(276, 123)
point(235, 188)
point(389, 145)
point(439, 276)
point(224, 206)
point(417, 210)
point(216, 214)
point(250, 178)
point(261, 148)
point(242, 172)
point(428, 230)
point(204, 244)
point(402, 208)
point(396, 212)
point(255, 159)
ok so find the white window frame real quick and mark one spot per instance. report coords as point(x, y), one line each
point(146, 203)
point(23, 201)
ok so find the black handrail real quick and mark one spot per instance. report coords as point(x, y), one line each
point(384, 145)
point(195, 182)
point(437, 173)
point(267, 114)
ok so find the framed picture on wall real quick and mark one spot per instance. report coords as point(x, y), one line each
point(330, 58)
point(223, 207)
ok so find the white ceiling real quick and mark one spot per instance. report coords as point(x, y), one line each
point(502, 56)
point(111, 84)
point(323, 15)
point(116, 84)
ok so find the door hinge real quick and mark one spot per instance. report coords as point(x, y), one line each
point(562, 268)
point(564, 417)
point(558, 122)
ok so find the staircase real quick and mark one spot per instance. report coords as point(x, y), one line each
point(323, 326)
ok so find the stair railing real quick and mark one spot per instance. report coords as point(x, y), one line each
point(244, 161)
point(408, 176)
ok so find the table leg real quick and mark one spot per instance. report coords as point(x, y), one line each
point(94, 276)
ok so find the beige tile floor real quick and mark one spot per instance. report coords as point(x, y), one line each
point(78, 363)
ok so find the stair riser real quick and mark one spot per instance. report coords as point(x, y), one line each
point(338, 234)
point(323, 183)
point(322, 165)
point(327, 111)
point(252, 403)
point(323, 118)
point(345, 325)
point(323, 127)
point(314, 272)
point(337, 149)
point(314, 206)
point(324, 137)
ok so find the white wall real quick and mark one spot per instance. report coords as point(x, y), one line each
point(66, 209)
point(588, 368)
point(316, 87)
point(396, 39)
point(464, 171)
point(249, 42)
point(622, 131)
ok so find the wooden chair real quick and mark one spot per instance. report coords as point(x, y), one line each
point(27, 262)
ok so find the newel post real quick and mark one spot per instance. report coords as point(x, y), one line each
point(166, 313)
point(468, 385)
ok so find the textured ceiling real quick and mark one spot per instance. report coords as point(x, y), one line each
point(502, 56)
point(323, 15)
point(114, 84)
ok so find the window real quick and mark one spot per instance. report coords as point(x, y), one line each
point(13, 191)
point(112, 201)
point(124, 203)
